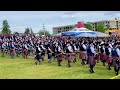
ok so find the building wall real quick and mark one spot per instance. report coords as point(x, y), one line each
point(114, 25)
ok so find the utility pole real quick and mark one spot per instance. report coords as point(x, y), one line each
point(44, 29)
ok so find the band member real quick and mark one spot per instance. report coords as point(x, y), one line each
point(115, 57)
point(59, 54)
point(91, 60)
point(75, 50)
point(3, 49)
point(108, 55)
point(83, 53)
point(25, 50)
point(38, 55)
point(42, 51)
point(12, 51)
point(102, 54)
point(69, 50)
point(49, 52)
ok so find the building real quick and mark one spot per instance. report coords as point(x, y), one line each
point(112, 24)
point(60, 29)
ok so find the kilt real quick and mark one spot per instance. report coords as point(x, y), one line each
point(102, 57)
point(38, 56)
point(116, 61)
point(59, 56)
point(12, 51)
point(73, 55)
point(108, 59)
point(83, 55)
point(97, 57)
point(49, 55)
point(91, 60)
point(68, 56)
point(2, 50)
point(25, 52)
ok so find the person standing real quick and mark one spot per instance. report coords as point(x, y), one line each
point(91, 53)
point(115, 57)
point(69, 50)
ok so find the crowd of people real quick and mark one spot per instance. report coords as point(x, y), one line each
point(89, 50)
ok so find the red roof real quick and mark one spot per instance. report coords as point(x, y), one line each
point(80, 25)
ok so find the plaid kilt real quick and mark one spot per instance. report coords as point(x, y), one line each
point(102, 57)
point(68, 56)
point(91, 60)
point(2, 50)
point(116, 61)
point(97, 56)
point(59, 56)
point(38, 56)
point(83, 55)
point(25, 52)
point(12, 51)
point(108, 59)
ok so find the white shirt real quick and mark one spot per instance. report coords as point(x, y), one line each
point(59, 49)
point(84, 46)
point(92, 50)
point(118, 52)
point(70, 48)
point(109, 50)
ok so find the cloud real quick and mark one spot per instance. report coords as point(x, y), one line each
point(111, 12)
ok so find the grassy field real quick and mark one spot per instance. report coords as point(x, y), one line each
point(20, 68)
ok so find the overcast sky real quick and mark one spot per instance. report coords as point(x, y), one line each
point(19, 20)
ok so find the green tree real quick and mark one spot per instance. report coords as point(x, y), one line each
point(101, 27)
point(42, 32)
point(107, 27)
point(27, 31)
point(31, 31)
point(88, 26)
point(5, 27)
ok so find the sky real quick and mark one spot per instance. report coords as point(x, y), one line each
point(19, 20)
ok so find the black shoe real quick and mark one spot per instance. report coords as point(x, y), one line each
point(93, 72)
point(82, 63)
point(35, 63)
point(74, 61)
point(109, 68)
point(68, 66)
point(59, 65)
point(90, 71)
point(116, 73)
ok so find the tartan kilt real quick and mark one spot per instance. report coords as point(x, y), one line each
point(115, 61)
point(68, 56)
point(2, 50)
point(108, 59)
point(38, 56)
point(83, 55)
point(97, 56)
point(102, 56)
point(12, 51)
point(91, 60)
point(25, 51)
point(59, 57)
point(73, 55)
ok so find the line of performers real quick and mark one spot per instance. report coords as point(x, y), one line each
point(87, 52)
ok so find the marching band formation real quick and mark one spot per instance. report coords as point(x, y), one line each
point(89, 50)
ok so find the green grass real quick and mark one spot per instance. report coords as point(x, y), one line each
point(20, 68)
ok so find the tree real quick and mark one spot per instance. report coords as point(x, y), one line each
point(27, 31)
point(5, 27)
point(88, 26)
point(107, 27)
point(100, 27)
point(42, 32)
point(31, 31)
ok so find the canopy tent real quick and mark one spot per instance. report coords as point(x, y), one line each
point(81, 31)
